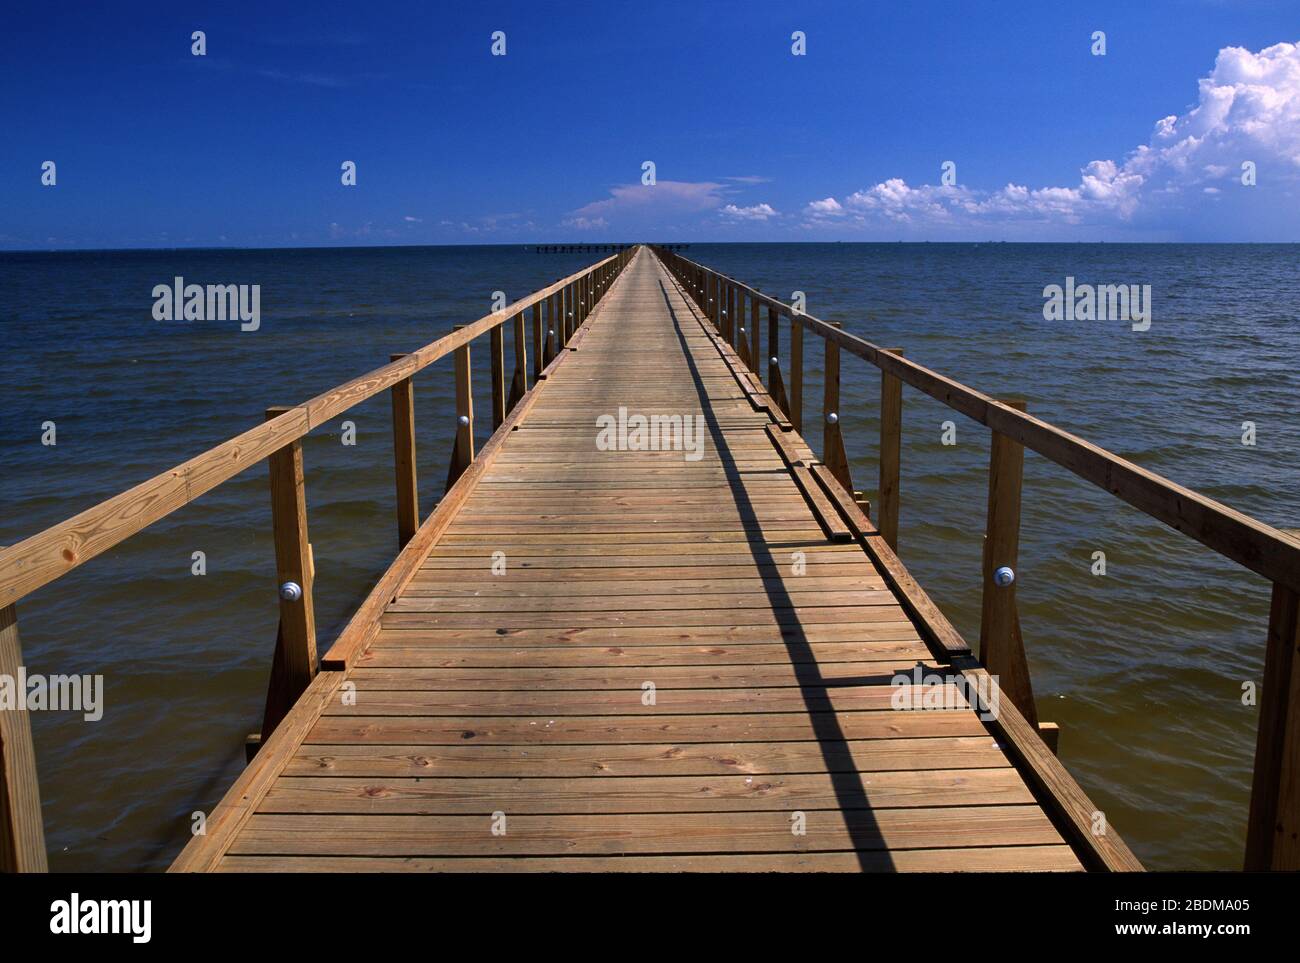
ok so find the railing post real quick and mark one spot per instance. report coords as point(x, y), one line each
point(775, 384)
point(408, 497)
point(22, 831)
point(497, 361)
point(539, 334)
point(294, 665)
point(891, 432)
point(1273, 832)
point(519, 383)
point(754, 356)
point(796, 373)
point(553, 312)
point(732, 324)
point(463, 453)
point(1002, 649)
point(833, 456)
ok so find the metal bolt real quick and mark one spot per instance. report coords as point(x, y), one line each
point(832, 418)
point(464, 420)
point(1004, 576)
point(774, 360)
point(291, 592)
point(550, 333)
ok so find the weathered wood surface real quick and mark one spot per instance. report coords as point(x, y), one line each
point(674, 667)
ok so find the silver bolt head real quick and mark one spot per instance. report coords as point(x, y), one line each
point(832, 418)
point(464, 420)
point(1004, 576)
point(550, 333)
point(773, 360)
point(291, 592)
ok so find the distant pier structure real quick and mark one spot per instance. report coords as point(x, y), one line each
point(597, 248)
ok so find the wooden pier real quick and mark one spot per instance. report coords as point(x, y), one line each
point(703, 653)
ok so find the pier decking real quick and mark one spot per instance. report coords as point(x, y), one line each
point(696, 650)
point(629, 577)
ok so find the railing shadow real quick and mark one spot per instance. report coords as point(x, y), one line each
point(846, 781)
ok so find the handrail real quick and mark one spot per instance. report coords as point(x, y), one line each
point(44, 557)
point(1259, 547)
point(1273, 827)
point(48, 555)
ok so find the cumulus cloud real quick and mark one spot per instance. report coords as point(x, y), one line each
point(826, 207)
point(1248, 109)
point(663, 198)
point(757, 212)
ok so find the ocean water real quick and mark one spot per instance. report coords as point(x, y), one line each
point(1143, 667)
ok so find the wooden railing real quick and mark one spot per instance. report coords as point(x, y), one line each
point(556, 313)
point(1273, 832)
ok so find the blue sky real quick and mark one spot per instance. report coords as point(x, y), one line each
point(156, 147)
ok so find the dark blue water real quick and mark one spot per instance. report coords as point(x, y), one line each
point(1143, 667)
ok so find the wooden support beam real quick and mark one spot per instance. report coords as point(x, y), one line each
point(1273, 830)
point(1002, 649)
point(796, 374)
point(408, 494)
point(891, 434)
point(497, 360)
point(775, 383)
point(554, 310)
point(755, 351)
point(462, 456)
point(539, 335)
point(22, 831)
point(833, 455)
point(294, 665)
point(519, 383)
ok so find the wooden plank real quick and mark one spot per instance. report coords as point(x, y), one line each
point(629, 702)
point(895, 829)
point(649, 794)
point(615, 730)
point(631, 676)
point(1028, 859)
point(22, 830)
point(827, 517)
point(661, 759)
point(404, 462)
point(396, 650)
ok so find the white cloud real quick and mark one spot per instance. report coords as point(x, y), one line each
point(757, 212)
point(642, 200)
point(1248, 109)
point(826, 207)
